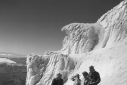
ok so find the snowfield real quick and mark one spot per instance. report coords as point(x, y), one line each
point(5, 60)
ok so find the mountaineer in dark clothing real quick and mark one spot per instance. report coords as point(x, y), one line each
point(58, 80)
point(85, 79)
point(94, 76)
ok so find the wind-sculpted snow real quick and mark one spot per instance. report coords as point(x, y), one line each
point(44, 68)
point(115, 24)
point(102, 44)
point(82, 37)
point(35, 67)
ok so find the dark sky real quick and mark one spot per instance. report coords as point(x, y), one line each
point(34, 26)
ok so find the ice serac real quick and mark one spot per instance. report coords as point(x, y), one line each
point(82, 37)
point(102, 44)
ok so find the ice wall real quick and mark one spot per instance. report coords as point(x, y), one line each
point(102, 44)
point(44, 68)
point(82, 38)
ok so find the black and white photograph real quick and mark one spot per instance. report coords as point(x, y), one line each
point(63, 42)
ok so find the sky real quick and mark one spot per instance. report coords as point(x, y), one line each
point(34, 26)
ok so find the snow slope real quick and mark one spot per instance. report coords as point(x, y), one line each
point(5, 60)
point(102, 44)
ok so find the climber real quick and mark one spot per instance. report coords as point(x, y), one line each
point(76, 79)
point(85, 79)
point(94, 76)
point(58, 80)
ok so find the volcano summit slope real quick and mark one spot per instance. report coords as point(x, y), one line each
point(102, 44)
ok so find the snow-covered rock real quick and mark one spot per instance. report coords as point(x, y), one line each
point(102, 44)
point(5, 60)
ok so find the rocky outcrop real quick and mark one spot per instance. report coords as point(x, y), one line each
point(102, 44)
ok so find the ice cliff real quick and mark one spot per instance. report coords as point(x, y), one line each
point(102, 44)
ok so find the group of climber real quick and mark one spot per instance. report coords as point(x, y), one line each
point(91, 78)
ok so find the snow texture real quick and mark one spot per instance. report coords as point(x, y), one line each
point(102, 44)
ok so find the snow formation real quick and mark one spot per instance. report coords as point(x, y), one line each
point(5, 60)
point(102, 44)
